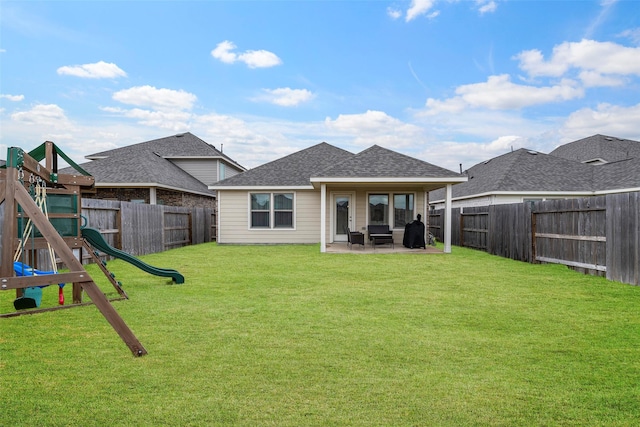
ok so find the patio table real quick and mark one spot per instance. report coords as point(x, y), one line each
point(380, 239)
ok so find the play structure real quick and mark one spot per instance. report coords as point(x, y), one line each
point(42, 215)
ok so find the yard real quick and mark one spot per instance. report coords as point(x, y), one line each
point(287, 336)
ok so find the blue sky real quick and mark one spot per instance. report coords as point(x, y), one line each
point(448, 82)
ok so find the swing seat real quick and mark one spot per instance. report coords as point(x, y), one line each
point(31, 298)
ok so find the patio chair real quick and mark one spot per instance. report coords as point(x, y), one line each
point(355, 238)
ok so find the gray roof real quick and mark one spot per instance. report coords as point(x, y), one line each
point(176, 146)
point(523, 171)
point(618, 175)
point(560, 171)
point(326, 161)
point(607, 148)
point(292, 170)
point(126, 170)
point(379, 162)
point(148, 163)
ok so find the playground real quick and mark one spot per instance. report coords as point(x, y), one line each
point(42, 215)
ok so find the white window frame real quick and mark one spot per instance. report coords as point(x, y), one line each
point(272, 211)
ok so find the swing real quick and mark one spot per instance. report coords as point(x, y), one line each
point(32, 296)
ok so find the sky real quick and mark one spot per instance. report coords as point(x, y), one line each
point(450, 82)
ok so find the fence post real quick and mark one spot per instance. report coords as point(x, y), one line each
point(533, 236)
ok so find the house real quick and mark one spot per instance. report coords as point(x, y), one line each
point(174, 171)
point(315, 195)
point(591, 166)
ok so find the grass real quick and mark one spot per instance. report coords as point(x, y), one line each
point(286, 336)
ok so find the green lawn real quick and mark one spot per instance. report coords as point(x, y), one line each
point(287, 336)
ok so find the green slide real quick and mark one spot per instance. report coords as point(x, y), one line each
point(96, 240)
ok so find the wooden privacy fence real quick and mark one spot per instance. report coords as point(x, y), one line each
point(141, 229)
point(596, 235)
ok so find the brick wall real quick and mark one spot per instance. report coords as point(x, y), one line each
point(164, 197)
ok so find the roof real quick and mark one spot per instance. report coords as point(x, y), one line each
point(607, 148)
point(143, 170)
point(324, 162)
point(561, 171)
point(379, 162)
point(148, 164)
point(182, 145)
point(523, 170)
point(290, 171)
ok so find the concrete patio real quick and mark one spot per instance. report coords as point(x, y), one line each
point(342, 247)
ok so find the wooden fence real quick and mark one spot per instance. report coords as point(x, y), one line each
point(595, 235)
point(141, 229)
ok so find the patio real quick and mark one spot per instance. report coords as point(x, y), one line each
point(342, 247)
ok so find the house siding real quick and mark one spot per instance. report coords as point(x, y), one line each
point(204, 170)
point(233, 214)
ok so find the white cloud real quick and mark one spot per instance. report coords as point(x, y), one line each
point(590, 55)
point(419, 7)
point(177, 121)
point(98, 70)
point(253, 58)
point(394, 13)
point(44, 116)
point(14, 98)
point(606, 119)
point(286, 97)
point(486, 6)
point(499, 93)
point(376, 127)
point(595, 79)
point(632, 34)
point(159, 99)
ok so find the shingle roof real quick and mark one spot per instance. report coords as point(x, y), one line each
point(617, 175)
point(175, 146)
point(608, 148)
point(523, 171)
point(379, 162)
point(148, 163)
point(124, 169)
point(292, 170)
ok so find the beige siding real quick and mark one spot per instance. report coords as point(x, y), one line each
point(233, 216)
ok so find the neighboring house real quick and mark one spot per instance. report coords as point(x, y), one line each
point(591, 166)
point(174, 171)
point(315, 194)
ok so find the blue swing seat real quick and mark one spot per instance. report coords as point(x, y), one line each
point(32, 296)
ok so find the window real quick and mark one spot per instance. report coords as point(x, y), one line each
point(271, 210)
point(260, 210)
point(378, 209)
point(223, 171)
point(402, 210)
point(283, 210)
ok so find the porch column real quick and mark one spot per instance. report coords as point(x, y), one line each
point(447, 220)
point(153, 198)
point(323, 217)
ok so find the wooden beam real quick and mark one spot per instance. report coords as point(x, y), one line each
point(572, 263)
point(22, 282)
point(66, 254)
point(9, 226)
point(571, 237)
